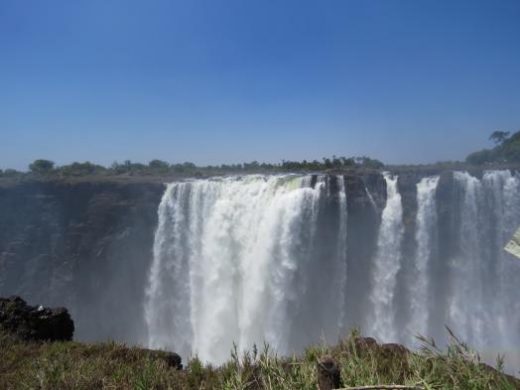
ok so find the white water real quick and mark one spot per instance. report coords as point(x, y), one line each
point(254, 259)
point(426, 225)
point(484, 307)
point(229, 263)
point(387, 264)
point(466, 312)
point(504, 204)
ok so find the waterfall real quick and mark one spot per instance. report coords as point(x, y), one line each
point(504, 206)
point(387, 263)
point(426, 225)
point(233, 261)
point(484, 306)
point(342, 252)
point(289, 259)
point(370, 198)
point(254, 259)
point(467, 315)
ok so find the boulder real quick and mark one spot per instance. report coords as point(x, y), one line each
point(171, 359)
point(36, 323)
point(329, 376)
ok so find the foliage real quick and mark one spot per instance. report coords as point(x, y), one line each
point(481, 157)
point(41, 167)
point(498, 137)
point(11, 173)
point(507, 150)
point(81, 169)
point(332, 163)
point(46, 169)
point(159, 166)
point(72, 365)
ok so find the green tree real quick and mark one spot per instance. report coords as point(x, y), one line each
point(510, 148)
point(41, 167)
point(159, 165)
point(507, 150)
point(498, 137)
point(81, 169)
point(481, 157)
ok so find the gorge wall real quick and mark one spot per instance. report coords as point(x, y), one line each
point(291, 259)
point(85, 246)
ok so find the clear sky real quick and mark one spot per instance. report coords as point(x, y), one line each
point(219, 81)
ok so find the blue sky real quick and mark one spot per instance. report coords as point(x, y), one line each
point(230, 81)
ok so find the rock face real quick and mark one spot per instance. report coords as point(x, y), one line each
point(84, 245)
point(35, 322)
point(329, 376)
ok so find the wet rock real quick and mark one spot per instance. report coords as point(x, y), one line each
point(172, 359)
point(35, 322)
point(328, 374)
point(363, 345)
point(394, 358)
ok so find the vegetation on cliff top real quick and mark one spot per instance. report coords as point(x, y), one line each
point(506, 150)
point(47, 169)
point(506, 153)
point(73, 365)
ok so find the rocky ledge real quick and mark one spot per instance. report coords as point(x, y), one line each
point(35, 323)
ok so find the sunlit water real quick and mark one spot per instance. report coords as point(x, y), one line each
point(265, 259)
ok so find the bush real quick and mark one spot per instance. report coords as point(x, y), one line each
point(481, 157)
point(81, 169)
point(159, 166)
point(507, 150)
point(41, 167)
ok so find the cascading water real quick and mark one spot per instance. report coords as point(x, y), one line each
point(503, 204)
point(387, 263)
point(426, 226)
point(483, 306)
point(233, 261)
point(265, 258)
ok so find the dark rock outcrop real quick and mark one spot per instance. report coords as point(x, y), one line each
point(329, 377)
point(172, 359)
point(35, 323)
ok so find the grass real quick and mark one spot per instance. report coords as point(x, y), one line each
point(73, 365)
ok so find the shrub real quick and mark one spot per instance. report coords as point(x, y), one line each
point(41, 167)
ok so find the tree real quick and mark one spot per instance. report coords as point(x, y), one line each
point(506, 150)
point(498, 137)
point(159, 165)
point(41, 167)
point(481, 157)
point(510, 148)
point(81, 169)
point(11, 173)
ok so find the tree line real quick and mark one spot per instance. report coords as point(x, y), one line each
point(47, 168)
point(506, 150)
